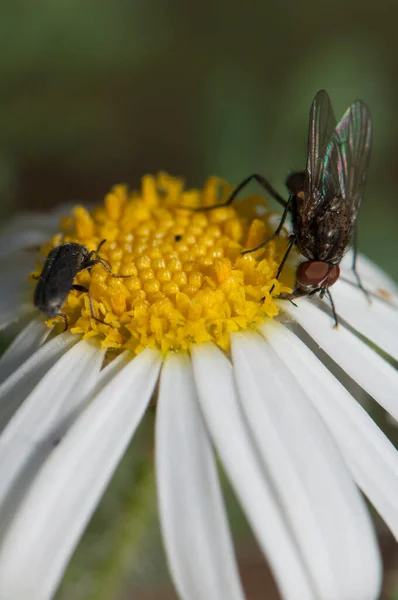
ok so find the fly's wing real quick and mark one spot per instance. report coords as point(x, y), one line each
point(321, 129)
point(344, 177)
point(351, 147)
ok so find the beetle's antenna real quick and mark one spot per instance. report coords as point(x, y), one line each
point(100, 246)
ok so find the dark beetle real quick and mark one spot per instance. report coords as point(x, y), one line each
point(62, 265)
point(325, 198)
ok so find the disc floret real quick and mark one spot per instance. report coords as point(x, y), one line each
point(188, 282)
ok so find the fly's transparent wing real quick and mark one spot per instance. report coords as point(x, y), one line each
point(321, 129)
point(353, 137)
point(348, 154)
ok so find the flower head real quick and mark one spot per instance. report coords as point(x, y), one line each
point(187, 324)
point(184, 279)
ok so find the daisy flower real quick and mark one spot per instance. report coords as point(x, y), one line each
point(248, 381)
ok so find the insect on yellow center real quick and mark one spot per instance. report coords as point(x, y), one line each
point(188, 282)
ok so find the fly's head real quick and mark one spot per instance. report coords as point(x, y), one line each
point(316, 276)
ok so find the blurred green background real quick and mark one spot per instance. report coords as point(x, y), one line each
point(98, 92)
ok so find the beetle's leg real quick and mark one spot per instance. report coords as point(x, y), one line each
point(101, 261)
point(82, 288)
point(98, 257)
point(79, 288)
point(259, 178)
point(65, 318)
point(93, 259)
point(93, 253)
point(277, 230)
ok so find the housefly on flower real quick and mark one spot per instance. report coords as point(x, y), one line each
point(324, 199)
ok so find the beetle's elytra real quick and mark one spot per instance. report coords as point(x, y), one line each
point(62, 265)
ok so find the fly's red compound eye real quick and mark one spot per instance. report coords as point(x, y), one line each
point(317, 273)
point(334, 274)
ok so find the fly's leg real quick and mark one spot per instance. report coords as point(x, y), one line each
point(354, 264)
point(336, 321)
point(255, 177)
point(277, 230)
point(300, 294)
point(280, 268)
point(284, 259)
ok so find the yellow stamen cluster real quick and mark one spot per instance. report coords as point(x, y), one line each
point(188, 281)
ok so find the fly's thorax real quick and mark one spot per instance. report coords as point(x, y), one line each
point(323, 229)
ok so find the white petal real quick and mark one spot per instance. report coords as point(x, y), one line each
point(16, 292)
point(10, 242)
point(377, 321)
point(11, 313)
point(14, 279)
point(325, 510)
point(25, 344)
point(192, 512)
point(61, 500)
point(111, 370)
point(42, 420)
point(219, 402)
point(29, 220)
point(22, 381)
point(371, 457)
point(371, 275)
point(357, 359)
point(26, 229)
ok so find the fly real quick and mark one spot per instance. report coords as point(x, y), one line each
point(61, 266)
point(324, 200)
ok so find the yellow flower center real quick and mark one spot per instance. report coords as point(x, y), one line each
point(188, 281)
